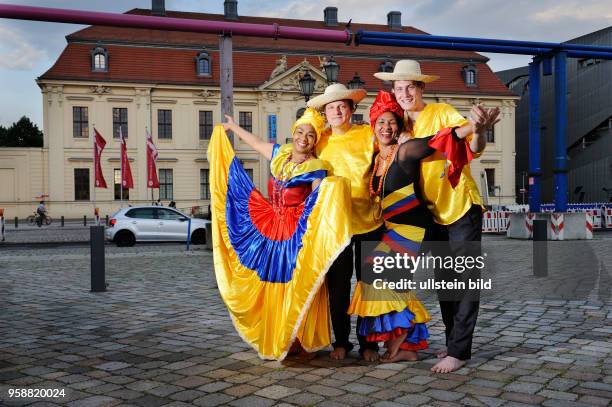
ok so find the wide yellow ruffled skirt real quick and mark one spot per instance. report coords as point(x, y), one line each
point(270, 315)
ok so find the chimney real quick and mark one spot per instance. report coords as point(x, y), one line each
point(394, 20)
point(230, 9)
point(330, 16)
point(158, 8)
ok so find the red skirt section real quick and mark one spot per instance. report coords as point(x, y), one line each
point(386, 336)
point(278, 223)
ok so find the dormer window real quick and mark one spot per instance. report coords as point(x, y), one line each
point(99, 59)
point(386, 66)
point(203, 64)
point(470, 76)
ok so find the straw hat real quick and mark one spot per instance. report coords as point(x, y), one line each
point(406, 70)
point(336, 92)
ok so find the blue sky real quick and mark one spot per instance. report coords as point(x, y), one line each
point(29, 48)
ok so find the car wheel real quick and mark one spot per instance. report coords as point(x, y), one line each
point(198, 236)
point(125, 238)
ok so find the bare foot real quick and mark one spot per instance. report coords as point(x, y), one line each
point(407, 355)
point(338, 353)
point(393, 346)
point(447, 365)
point(370, 355)
point(442, 353)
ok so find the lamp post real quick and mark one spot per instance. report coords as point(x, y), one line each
point(307, 84)
point(356, 82)
point(331, 69)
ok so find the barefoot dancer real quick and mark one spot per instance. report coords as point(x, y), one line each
point(398, 319)
point(271, 257)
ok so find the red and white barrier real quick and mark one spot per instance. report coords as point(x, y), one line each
point(489, 222)
point(557, 224)
point(589, 226)
point(503, 221)
point(608, 217)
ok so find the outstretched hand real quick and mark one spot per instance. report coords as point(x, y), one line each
point(483, 119)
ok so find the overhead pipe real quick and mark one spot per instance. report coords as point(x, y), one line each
point(275, 31)
point(482, 41)
point(455, 46)
point(501, 49)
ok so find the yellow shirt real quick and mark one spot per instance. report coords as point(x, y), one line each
point(447, 204)
point(350, 155)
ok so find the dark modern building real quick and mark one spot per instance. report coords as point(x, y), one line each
point(589, 130)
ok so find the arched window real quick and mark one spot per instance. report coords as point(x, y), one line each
point(99, 59)
point(470, 75)
point(203, 64)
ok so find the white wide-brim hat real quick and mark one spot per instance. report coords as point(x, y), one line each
point(336, 92)
point(406, 70)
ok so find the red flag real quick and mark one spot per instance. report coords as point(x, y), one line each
point(126, 172)
point(99, 144)
point(152, 181)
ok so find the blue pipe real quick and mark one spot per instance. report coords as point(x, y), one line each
point(560, 169)
point(535, 171)
point(502, 49)
point(456, 46)
point(481, 41)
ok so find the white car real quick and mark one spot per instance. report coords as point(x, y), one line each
point(153, 224)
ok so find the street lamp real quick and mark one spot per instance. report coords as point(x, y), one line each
point(307, 84)
point(331, 69)
point(356, 82)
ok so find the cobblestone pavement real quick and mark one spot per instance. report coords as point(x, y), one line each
point(161, 335)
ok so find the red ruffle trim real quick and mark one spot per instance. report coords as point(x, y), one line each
point(386, 336)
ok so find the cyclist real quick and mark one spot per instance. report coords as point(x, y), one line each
point(41, 211)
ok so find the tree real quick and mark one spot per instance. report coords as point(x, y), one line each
point(23, 133)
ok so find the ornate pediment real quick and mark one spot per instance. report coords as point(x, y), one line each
point(289, 81)
point(100, 90)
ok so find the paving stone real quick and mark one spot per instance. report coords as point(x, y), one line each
point(95, 401)
point(444, 395)
point(325, 390)
point(214, 387)
point(187, 395)
point(276, 392)
point(304, 399)
point(560, 395)
point(523, 398)
point(523, 387)
point(212, 400)
point(413, 399)
point(252, 401)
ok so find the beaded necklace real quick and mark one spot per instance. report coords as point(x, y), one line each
point(375, 196)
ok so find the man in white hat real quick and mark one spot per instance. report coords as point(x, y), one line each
point(350, 149)
point(457, 211)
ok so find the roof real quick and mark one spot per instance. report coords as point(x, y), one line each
point(168, 57)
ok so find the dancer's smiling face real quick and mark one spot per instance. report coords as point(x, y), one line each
point(409, 95)
point(338, 113)
point(387, 129)
point(304, 138)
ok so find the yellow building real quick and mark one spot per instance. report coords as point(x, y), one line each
point(168, 83)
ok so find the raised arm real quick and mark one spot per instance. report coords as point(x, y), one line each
point(252, 140)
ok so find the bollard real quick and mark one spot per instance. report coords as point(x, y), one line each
point(62, 221)
point(96, 242)
point(2, 223)
point(84, 220)
point(16, 222)
point(540, 248)
point(106, 220)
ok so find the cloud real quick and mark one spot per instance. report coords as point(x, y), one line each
point(578, 11)
point(16, 53)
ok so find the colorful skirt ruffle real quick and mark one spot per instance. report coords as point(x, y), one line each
point(387, 314)
point(270, 266)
